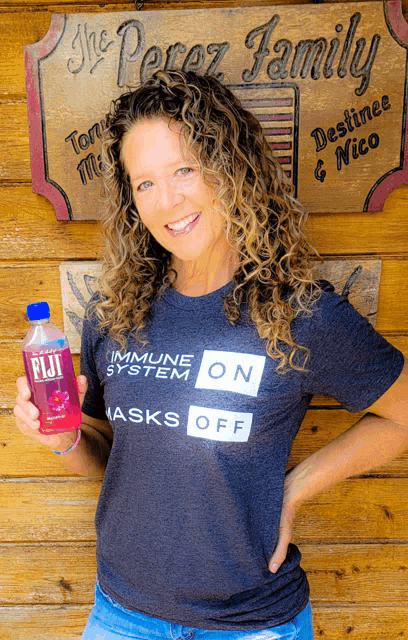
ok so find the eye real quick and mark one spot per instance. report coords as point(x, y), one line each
point(144, 185)
point(185, 171)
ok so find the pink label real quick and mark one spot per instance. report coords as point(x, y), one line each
point(51, 378)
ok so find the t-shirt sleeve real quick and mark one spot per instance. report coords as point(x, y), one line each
point(93, 404)
point(350, 361)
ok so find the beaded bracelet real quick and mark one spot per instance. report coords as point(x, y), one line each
point(64, 453)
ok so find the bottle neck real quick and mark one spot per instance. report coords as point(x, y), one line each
point(42, 321)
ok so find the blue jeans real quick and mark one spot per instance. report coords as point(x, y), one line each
point(108, 620)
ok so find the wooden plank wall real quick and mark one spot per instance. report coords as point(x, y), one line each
point(353, 537)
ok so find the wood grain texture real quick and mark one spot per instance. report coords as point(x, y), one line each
point(319, 427)
point(15, 162)
point(366, 233)
point(358, 279)
point(79, 81)
point(25, 216)
point(353, 537)
point(24, 283)
point(355, 509)
point(20, 25)
point(48, 509)
point(10, 354)
point(119, 5)
point(11, 367)
point(16, 30)
point(61, 573)
point(357, 573)
point(67, 622)
point(360, 623)
point(28, 228)
point(15, 156)
point(69, 578)
point(333, 623)
point(60, 622)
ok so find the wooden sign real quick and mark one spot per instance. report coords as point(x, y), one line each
point(358, 280)
point(327, 83)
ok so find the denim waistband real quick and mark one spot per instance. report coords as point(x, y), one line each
point(114, 617)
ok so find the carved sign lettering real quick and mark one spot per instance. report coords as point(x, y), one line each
point(327, 83)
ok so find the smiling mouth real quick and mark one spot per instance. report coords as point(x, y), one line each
point(184, 225)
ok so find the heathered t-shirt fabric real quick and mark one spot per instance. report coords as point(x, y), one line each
point(189, 509)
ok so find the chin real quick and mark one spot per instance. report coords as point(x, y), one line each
point(188, 255)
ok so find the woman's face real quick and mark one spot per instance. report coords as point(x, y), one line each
point(170, 194)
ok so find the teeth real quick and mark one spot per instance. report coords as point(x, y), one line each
point(176, 226)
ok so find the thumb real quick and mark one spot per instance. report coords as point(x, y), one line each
point(82, 385)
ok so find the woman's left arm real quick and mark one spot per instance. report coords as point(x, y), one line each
point(378, 437)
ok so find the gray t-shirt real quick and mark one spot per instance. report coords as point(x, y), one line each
point(189, 510)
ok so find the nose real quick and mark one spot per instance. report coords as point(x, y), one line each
point(169, 195)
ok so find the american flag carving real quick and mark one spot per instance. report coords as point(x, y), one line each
point(276, 106)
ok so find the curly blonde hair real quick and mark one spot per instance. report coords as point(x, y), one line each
point(263, 218)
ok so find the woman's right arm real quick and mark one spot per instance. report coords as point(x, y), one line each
point(90, 456)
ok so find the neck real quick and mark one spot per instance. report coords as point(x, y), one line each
point(199, 277)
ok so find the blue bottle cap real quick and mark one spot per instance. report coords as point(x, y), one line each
point(38, 311)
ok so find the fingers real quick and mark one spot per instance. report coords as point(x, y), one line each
point(82, 385)
point(280, 553)
point(23, 388)
point(24, 410)
point(27, 414)
point(285, 536)
point(25, 422)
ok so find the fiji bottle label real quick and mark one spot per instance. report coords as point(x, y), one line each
point(46, 367)
point(52, 378)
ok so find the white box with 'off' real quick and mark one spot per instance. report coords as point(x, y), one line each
point(217, 424)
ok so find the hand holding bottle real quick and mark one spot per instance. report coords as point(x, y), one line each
point(26, 414)
point(50, 373)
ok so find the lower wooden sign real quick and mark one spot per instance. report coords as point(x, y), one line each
point(358, 280)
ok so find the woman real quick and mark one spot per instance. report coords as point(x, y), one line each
point(208, 289)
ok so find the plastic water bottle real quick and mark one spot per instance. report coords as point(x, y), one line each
point(50, 373)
